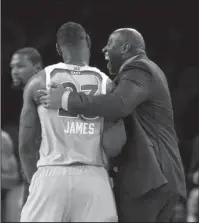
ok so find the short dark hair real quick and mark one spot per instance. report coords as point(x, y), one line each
point(72, 34)
point(32, 54)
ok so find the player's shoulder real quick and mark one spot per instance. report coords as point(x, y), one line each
point(36, 80)
point(104, 76)
point(35, 83)
point(95, 69)
point(107, 84)
point(51, 67)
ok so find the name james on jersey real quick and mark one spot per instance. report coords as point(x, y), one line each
point(76, 127)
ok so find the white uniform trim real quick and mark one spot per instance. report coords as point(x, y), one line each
point(50, 68)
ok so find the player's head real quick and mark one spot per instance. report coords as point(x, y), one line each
point(73, 43)
point(24, 64)
point(122, 44)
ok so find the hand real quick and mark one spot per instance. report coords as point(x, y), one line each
point(52, 98)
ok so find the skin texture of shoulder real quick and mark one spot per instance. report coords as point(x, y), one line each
point(36, 83)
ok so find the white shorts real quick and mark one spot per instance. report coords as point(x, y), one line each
point(70, 194)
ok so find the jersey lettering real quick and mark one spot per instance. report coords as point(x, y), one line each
point(82, 128)
point(76, 71)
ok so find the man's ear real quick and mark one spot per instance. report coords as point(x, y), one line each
point(125, 48)
point(38, 67)
point(88, 40)
point(58, 49)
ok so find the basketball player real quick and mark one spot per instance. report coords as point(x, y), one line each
point(71, 183)
point(25, 63)
point(11, 192)
point(10, 174)
point(9, 171)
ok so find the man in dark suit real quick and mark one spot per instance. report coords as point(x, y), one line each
point(150, 177)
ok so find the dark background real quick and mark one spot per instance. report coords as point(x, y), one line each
point(170, 29)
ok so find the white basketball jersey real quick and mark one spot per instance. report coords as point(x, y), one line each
point(71, 138)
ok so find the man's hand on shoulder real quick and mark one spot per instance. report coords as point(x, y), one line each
point(52, 98)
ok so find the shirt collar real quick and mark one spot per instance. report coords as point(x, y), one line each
point(126, 62)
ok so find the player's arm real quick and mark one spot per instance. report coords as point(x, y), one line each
point(29, 131)
point(114, 134)
point(132, 90)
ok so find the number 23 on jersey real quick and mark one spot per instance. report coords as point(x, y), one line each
point(89, 89)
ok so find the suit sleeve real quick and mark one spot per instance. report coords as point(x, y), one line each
point(132, 90)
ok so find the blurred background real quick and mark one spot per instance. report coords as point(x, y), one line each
point(170, 30)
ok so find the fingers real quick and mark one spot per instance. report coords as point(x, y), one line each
point(44, 99)
point(50, 87)
point(42, 92)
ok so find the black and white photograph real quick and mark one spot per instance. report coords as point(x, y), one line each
point(99, 111)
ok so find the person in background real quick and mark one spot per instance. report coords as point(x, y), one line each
point(193, 178)
point(9, 170)
point(24, 64)
point(193, 200)
point(194, 166)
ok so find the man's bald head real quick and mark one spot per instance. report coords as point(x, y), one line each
point(133, 37)
point(123, 44)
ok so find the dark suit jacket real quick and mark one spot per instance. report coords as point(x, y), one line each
point(151, 156)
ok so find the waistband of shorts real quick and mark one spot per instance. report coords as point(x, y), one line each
point(48, 171)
